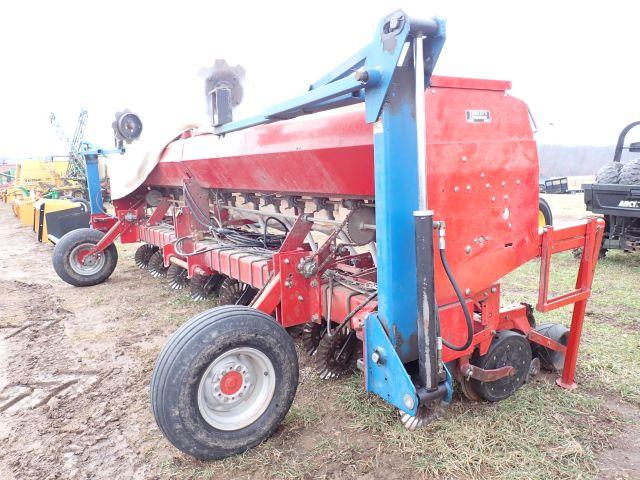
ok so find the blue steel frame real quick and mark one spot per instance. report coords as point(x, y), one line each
point(383, 76)
point(94, 188)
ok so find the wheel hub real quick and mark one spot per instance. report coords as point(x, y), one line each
point(231, 382)
point(236, 388)
point(84, 264)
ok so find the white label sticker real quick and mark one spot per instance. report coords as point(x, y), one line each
point(629, 203)
point(478, 116)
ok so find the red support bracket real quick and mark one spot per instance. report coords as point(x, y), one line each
point(269, 298)
point(159, 212)
point(114, 232)
point(587, 235)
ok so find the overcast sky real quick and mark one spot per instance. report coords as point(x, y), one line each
point(574, 63)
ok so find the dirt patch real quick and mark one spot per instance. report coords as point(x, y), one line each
point(623, 461)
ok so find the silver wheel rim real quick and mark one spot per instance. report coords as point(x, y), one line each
point(92, 263)
point(236, 388)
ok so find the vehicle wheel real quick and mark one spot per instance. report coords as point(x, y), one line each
point(507, 349)
point(630, 173)
point(551, 360)
point(609, 173)
point(545, 216)
point(94, 269)
point(233, 292)
point(224, 382)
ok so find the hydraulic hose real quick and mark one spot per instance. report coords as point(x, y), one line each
point(266, 223)
point(465, 310)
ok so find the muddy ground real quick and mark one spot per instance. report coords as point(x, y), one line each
point(75, 366)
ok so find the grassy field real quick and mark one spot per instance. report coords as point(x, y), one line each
point(335, 430)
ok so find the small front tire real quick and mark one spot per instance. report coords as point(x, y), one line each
point(224, 382)
point(94, 269)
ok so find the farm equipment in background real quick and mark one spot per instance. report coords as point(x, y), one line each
point(53, 204)
point(127, 127)
point(545, 216)
point(556, 185)
point(616, 195)
point(76, 145)
point(381, 229)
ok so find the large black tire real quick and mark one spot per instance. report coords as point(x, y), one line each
point(544, 211)
point(69, 269)
point(187, 358)
point(609, 173)
point(630, 173)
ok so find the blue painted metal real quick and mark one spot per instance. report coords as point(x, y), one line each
point(388, 378)
point(94, 188)
point(345, 68)
point(323, 98)
point(396, 188)
point(449, 382)
point(93, 182)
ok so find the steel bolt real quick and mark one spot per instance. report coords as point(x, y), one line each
point(464, 158)
point(377, 356)
point(300, 298)
point(468, 188)
point(287, 261)
point(467, 291)
point(456, 189)
point(362, 76)
point(517, 182)
point(467, 249)
point(488, 185)
point(408, 400)
point(494, 289)
point(314, 283)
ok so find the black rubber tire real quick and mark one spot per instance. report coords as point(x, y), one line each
point(609, 173)
point(62, 252)
point(185, 358)
point(544, 207)
point(630, 173)
point(551, 360)
point(497, 357)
